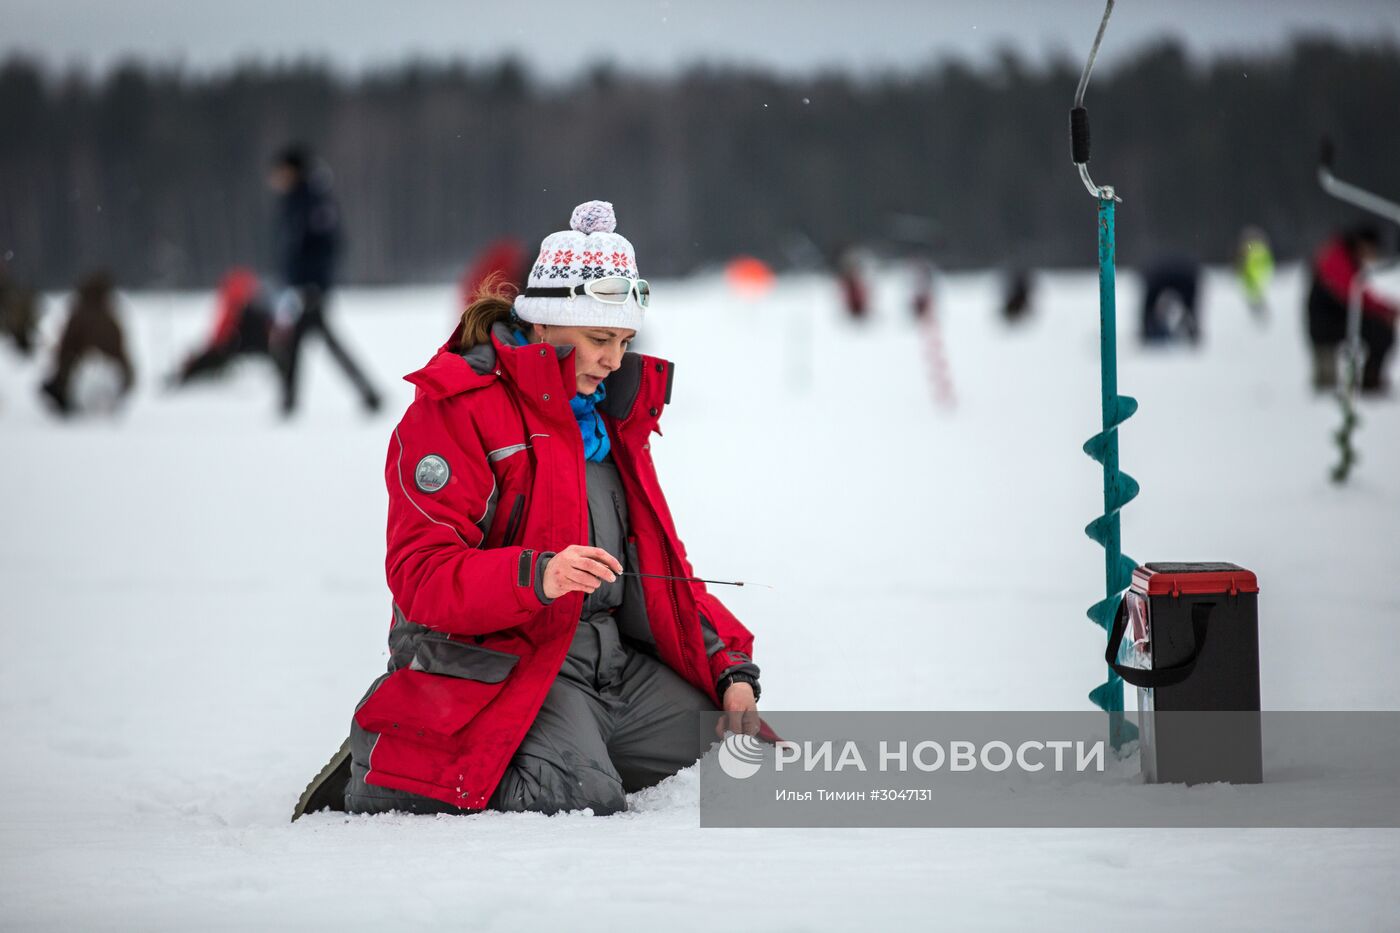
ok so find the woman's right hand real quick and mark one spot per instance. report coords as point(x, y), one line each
point(579, 568)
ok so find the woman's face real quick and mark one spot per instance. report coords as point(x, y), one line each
point(597, 350)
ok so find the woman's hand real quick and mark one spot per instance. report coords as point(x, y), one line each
point(740, 711)
point(579, 568)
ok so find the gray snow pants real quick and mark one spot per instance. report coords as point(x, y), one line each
point(615, 720)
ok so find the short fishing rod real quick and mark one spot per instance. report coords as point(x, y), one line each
point(658, 576)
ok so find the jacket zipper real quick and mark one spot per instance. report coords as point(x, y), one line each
point(675, 603)
point(666, 556)
point(512, 521)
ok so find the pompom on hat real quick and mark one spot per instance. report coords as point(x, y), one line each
point(590, 249)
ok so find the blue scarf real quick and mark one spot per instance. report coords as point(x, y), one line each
point(595, 434)
point(590, 424)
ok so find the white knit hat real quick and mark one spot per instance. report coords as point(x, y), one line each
point(589, 250)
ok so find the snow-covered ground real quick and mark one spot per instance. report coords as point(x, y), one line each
point(193, 599)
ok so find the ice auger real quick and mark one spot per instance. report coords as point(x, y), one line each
point(1118, 487)
point(1346, 392)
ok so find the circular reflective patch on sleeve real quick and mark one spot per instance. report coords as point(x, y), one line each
point(431, 473)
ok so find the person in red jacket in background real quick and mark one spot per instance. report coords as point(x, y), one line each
point(1334, 271)
point(242, 325)
point(502, 266)
point(550, 648)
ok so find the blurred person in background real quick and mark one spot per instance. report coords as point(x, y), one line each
point(91, 331)
point(19, 313)
point(307, 240)
point(1254, 264)
point(242, 326)
point(925, 286)
point(855, 291)
point(502, 266)
point(1335, 268)
point(1016, 296)
point(1171, 291)
point(526, 671)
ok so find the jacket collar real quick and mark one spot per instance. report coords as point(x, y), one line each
point(450, 372)
point(447, 374)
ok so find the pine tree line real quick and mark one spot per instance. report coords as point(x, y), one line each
point(158, 174)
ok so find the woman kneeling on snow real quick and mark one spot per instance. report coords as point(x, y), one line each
point(538, 659)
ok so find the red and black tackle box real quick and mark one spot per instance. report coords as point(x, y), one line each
point(1187, 636)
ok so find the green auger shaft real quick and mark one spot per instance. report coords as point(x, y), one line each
point(1118, 487)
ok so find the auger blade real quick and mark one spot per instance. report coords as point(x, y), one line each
point(1108, 695)
point(1097, 446)
point(1126, 566)
point(1102, 612)
point(1125, 406)
point(1122, 490)
point(1121, 732)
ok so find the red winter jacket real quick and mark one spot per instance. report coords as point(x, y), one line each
point(473, 650)
point(1335, 268)
point(237, 288)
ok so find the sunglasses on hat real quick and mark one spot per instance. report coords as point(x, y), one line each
point(611, 289)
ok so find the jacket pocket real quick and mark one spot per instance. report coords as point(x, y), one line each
point(441, 691)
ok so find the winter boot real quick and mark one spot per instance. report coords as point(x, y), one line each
point(327, 789)
point(1325, 367)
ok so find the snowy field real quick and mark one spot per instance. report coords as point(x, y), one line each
point(194, 600)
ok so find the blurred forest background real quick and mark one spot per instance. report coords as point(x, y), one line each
point(158, 174)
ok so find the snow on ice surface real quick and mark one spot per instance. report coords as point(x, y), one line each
point(194, 600)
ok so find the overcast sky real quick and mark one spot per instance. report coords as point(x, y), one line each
point(556, 37)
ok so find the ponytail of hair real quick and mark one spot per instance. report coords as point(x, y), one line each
point(492, 305)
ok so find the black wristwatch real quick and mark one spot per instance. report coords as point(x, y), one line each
point(729, 679)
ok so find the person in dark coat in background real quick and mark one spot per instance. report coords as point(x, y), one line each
point(1171, 289)
point(92, 328)
point(308, 238)
point(1016, 302)
point(1334, 272)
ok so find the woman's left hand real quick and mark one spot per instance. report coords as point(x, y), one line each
point(740, 711)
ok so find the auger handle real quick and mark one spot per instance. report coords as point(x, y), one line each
point(1349, 193)
point(1079, 116)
